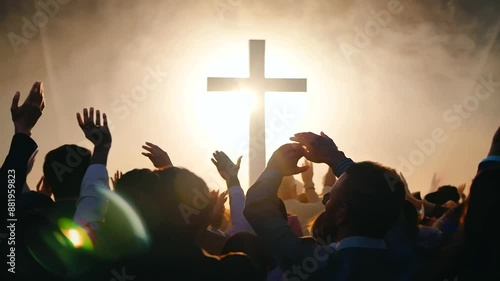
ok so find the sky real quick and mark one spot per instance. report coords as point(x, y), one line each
point(410, 84)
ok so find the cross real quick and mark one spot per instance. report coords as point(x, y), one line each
point(258, 85)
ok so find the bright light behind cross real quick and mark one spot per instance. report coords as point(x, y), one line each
point(260, 83)
point(221, 120)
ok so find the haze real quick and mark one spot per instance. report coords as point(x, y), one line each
point(390, 81)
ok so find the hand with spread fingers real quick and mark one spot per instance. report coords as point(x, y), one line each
point(319, 148)
point(219, 200)
point(26, 116)
point(95, 131)
point(115, 178)
point(227, 169)
point(158, 156)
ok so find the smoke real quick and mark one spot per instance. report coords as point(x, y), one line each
point(382, 74)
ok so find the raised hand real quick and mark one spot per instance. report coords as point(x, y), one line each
point(26, 115)
point(158, 156)
point(227, 169)
point(115, 178)
point(461, 188)
point(219, 200)
point(435, 182)
point(495, 144)
point(95, 131)
point(307, 175)
point(319, 148)
point(461, 191)
point(285, 158)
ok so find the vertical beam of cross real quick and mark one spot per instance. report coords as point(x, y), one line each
point(258, 85)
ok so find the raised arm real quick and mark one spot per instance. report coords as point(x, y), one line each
point(307, 179)
point(229, 172)
point(263, 212)
point(92, 203)
point(14, 169)
point(16, 165)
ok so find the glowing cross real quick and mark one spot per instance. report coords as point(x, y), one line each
point(258, 85)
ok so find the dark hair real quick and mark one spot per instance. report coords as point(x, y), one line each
point(181, 197)
point(64, 168)
point(319, 227)
point(135, 187)
point(375, 197)
point(121, 234)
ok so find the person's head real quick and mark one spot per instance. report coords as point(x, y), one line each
point(443, 195)
point(288, 188)
point(172, 201)
point(63, 171)
point(365, 201)
point(137, 188)
point(131, 217)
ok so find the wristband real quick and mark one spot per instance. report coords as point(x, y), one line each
point(341, 167)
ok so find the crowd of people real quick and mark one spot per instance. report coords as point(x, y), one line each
point(362, 223)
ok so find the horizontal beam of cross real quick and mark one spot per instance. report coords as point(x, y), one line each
point(267, 85)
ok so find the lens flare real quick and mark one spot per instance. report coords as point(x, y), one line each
point(75, 237)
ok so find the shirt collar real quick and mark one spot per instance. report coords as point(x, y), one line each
point(359, 242)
